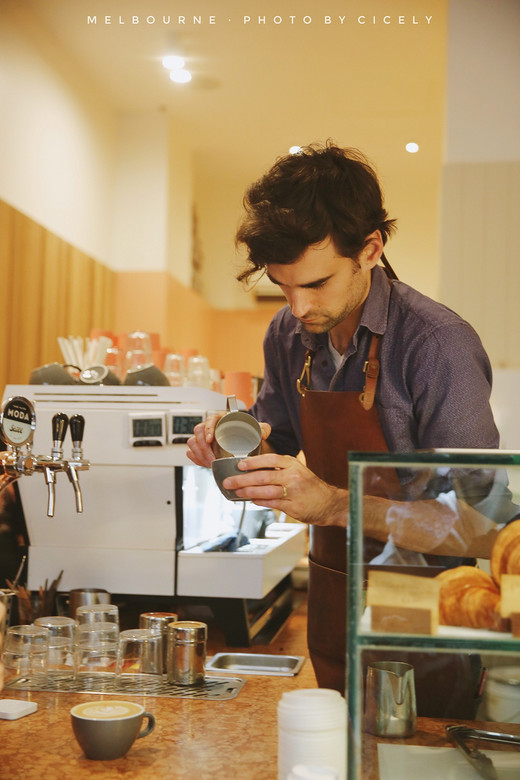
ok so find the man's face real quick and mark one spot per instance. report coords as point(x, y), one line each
point(322, 288)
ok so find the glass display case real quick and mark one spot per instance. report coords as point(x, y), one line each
point(430, 512)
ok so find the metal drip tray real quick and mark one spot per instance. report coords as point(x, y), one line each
point(254, 663)
point(212, 688)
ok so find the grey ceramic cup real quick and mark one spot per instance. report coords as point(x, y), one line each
point(98, 375)
point(146, 375)
point(106, 730)
point(51, 374)
point(226, 467)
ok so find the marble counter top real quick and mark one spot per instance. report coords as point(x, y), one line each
point(192, 740)
point(235, 739)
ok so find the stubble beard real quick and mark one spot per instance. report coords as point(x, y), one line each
point(332, 321)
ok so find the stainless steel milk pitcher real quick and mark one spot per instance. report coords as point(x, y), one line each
point(390, 707)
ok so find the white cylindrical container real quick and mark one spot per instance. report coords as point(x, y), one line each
point(312, 731)
point(502, 694)
point(306, 772)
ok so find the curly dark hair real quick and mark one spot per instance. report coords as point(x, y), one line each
point(321, 191)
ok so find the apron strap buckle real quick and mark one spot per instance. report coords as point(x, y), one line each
point(304, 381)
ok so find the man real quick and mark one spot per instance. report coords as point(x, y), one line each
point(356, 361)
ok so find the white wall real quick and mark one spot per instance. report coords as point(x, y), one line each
point(141, 193)
point(483, 104)
point(480, 274)
point(117, 187)
point(219, 209)
point(179, 205)
point(57, 139)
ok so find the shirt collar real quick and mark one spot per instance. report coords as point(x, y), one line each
point(374, 315)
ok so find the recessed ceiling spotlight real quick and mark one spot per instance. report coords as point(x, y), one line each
point(295, 150)
point(412, 147)
point(180, 76)
point(173, 62)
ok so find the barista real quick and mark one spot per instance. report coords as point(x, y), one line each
point(356, 361)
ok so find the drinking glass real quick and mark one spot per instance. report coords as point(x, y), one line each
point(61, 644)
point(97, 613)
point(139, 350)
point(115, 362)
point(198, 372)
point(58, 625)
point(140, 659)
point(95, 654)
point(174, 368)
point(26, 654)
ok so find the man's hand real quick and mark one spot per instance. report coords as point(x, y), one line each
point(282, 482)
point(200, 445)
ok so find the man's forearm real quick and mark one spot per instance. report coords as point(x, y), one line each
point(425, 526)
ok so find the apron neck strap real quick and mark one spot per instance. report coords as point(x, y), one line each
point(371, 369)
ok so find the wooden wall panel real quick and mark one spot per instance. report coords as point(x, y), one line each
point(54, 291)
point(26, 298)
point(6, 237)
point(49, 289)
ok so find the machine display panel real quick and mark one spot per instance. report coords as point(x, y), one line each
point(182, 426)
point(147, 430)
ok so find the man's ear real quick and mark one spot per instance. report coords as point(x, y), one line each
point(371, 253)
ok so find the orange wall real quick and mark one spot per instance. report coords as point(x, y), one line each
point(155, 302)
point(238, 337)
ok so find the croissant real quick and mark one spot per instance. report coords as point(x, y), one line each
point(469, 597)
point(505, 555)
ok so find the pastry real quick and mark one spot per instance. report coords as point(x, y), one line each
point(469, 597)
point(505, 549)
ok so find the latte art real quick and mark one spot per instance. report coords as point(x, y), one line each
point(107, 710)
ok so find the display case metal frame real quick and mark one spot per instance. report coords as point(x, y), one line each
point(360, 639)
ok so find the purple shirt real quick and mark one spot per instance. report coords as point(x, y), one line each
point(434, 383)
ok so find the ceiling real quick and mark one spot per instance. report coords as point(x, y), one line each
point(259, 88)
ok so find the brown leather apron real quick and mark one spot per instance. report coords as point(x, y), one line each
point(334, 423)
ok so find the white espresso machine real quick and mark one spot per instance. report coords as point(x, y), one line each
point(148, 512)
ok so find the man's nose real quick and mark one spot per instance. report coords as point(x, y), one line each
point(299, 301)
